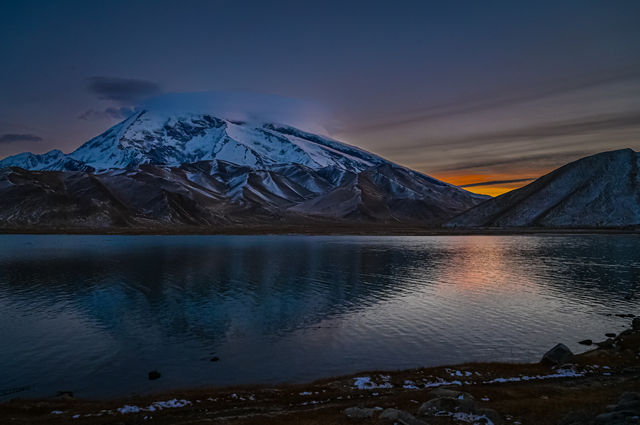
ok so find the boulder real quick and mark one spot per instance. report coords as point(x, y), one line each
point(586, 342)
point(359, 412)
point(576, 418)
point(490, 414)
point(153, 375)
point(615, 418)
point(635, 324)
point(65, 395)
point(447, 404)
point(558, 355)
point(632, 405)
point(624, 412)
point(629, 396)
point(609, 343)
point(400, 416)
point(390, 414)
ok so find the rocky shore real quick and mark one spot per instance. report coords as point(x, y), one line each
point(598, 387)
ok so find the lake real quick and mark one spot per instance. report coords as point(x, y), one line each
point(95, 314)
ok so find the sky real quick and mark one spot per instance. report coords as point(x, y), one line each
point(486, 94)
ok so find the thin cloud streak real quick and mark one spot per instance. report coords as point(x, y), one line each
point(14, 138)
point(124, 91)
point(493, 100)
point(580, 126)
point(497, 182)
point(554, 158)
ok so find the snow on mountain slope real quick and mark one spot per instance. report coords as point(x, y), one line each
point(602, 190)
point(155, 138)
point(158, 169)
point(52, 160)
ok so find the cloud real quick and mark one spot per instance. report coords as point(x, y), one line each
point(522, 161)
point(246, 106)
point(13, 138)
point(504, 98)
point(496, 182)
point(583, 125)
point(124, 91)
point(110, 113)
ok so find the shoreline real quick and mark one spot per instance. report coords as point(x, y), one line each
point(293, 230)
point(524, 393)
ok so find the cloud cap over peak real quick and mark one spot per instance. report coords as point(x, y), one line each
point(245, 106)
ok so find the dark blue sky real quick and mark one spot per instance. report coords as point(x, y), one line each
point(464, 90)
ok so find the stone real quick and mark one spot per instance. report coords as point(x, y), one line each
point(65, 395)
point(558, 355)
point(447, 404)
point(447, 392)
point(490, 414)
point(390, 414)
point(629, 396)
point(214, 359)
point(615, 418)
point(610, 335)
point(400, 416)
point(631, 405)
point(575, 418)
point(609, 343)
point(359, 412)
point(585, 342)
point(635, 324)
point(153, 375)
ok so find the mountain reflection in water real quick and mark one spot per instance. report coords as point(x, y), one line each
point(93, 314)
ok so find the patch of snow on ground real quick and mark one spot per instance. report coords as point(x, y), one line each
point(470, 417)
point(560, 373)
point(171, 404)
point(410, 385)
point(156, 405)
point(440, 382)
point(128, 409)
point(365, 383)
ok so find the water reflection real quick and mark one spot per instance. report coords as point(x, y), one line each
point(94, 313)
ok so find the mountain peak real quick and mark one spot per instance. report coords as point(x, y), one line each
point(172, 139)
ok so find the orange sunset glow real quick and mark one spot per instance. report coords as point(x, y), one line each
point(497, 184)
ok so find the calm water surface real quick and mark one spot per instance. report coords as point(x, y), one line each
point(94, 314)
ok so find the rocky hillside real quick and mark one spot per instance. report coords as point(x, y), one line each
point(602, 190)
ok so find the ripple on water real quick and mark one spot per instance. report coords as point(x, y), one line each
point(94, 314)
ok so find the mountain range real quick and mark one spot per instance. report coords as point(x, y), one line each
point(176, 171)
point(167, 171)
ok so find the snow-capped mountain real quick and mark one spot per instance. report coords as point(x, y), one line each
point(53, 160)
point(601, 190)
point(155, 170)
point(162, 139)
